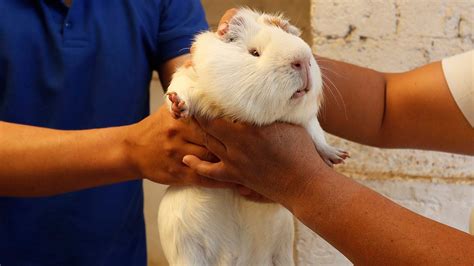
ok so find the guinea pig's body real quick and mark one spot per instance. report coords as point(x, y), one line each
point(201, 226)
point(258, 71)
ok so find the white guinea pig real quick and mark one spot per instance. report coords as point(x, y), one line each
point(259, 71)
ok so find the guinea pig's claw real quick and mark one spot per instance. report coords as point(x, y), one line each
point(334, 156)
point(343, 154)
point(179, 109)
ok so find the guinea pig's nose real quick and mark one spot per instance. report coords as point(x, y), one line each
point(299, 64)
point(296, 65)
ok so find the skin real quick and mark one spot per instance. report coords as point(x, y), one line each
point(400, 110)
point(40, 162)
point(403, 110)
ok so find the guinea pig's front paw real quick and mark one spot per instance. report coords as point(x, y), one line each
point(178, 107)
point(333, 155)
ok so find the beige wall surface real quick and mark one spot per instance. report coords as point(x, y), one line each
point(387, 35)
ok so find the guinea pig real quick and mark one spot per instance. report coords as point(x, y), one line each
point(259, 71)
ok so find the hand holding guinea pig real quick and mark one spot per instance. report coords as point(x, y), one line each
point(171, 139)
point(277, 160)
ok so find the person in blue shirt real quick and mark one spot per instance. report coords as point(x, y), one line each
point(74, 133)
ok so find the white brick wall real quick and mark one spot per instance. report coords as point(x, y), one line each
point(392, 35)
point(396, 35)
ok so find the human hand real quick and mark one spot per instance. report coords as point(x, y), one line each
point(178, 112)
point(276, 161)
point(157, 144)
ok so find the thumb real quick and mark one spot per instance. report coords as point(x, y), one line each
point(212, 170)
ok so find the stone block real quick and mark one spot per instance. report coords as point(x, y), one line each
point(351, 19)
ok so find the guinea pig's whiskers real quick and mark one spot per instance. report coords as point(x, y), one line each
point(330, 87)
point(324, 93)
point(334, 90)
point(330, 70)
point(323, 69)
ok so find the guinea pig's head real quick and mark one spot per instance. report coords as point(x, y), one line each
point(257, 66)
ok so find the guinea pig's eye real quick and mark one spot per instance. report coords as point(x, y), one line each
point(254, 52)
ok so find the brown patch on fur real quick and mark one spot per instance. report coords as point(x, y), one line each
point(276, 21)
point(228, 15)
point(209, 106)
point(193, 48)
point(215, 109)
point(188, 63)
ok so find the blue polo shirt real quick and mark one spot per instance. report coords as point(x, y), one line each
point(88, 66)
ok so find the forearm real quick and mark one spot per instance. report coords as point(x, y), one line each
point(370, 229)
point(39, 161)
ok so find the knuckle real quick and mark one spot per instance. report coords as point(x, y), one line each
point(173, 172)
point(172, 132)
point(217, 173)
point(208, 172)
point(176, 172)
point(204, 171)
point(170, 151)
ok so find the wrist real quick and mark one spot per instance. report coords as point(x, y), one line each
point(305, 186)
point(122, 153)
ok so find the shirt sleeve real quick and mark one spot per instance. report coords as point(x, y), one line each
point(180, 21)
point(459, 74)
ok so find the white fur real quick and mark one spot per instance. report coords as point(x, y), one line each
point(200, 226)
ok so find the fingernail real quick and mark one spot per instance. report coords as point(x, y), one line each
point(186, 160)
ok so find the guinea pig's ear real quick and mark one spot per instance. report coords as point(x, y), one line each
point(294, 30)
point(222, 29)
point(282, 23)
point(231, 29)
point(223, 26)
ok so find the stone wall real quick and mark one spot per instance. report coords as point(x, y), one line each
point(392, 35)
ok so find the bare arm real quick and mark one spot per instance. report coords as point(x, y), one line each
point(39, 161)
point(280, 162)
point(405, 110)
point(370, 229)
